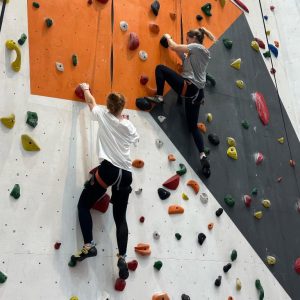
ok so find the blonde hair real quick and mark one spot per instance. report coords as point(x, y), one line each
point(115, 103)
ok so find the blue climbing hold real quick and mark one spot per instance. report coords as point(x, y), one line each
point(273, 49)
point(266, 18)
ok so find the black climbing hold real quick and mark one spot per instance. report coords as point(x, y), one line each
point(155, 6)
point(199, 18)
point(185, 297)
point(22, 39)
point(233, 255)
point(206, 8)
point(182, 170)
point(157, 265)
point(32, 118)
point(178, 236)
point(163, 194)
point(218, 281)
point(15, 191)
point(36, 4)
point(227, 267)
point(219, 212)
point(210, 80)
point(164, 42)
point(206, 150)
point(74, 60)
point(227, 43)
point(49, 22)
point(214, 139)
point(201, 238)
point(3, 277)
point(143, 104)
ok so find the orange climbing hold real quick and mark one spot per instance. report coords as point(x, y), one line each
point(230, 298)
point(202, 127)
point(175, 209)
point(143, 249)
point(210, 226)
point(154, 28)
point(160, 296)
point(138, 163)
point(172, 183)
point(171, 157)
point(173, 16)
point(276, 43)
point(194, 185)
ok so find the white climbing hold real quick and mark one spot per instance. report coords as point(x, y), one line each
point(156, 235)
point(159, 143)
point(204, 198)
point(161, 118)
point(123, 25)
point(59, 67)
point(143, 55)
point(138, 191)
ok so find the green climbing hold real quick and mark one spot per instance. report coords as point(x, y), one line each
point(36, 4)
point(182, 170)
point(72, 263)
point(16, 191)
point(22, 39)
point(233, 255)
point(245, 124)
point(32, 119)
point(229, 200)
point(49, 22)
point(210, 79)
point(206, 8)
point(267, 54)
point(9, 121)
point(157, 265)
point(206, 150)
point(260, 289)
point(3, 277)
point(74, 60)
point(227, 43)
point(254, 191)
point(178, 236)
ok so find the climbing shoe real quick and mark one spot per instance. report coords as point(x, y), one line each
point(205, 166)
point(84, 253)
point(123, 268)
point(155, 99)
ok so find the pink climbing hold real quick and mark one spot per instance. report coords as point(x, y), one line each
point(144, 79)
point(120, 284)
point(172, 183)
point(259, 158)
point(247, 200)
point(242, 5)
point(133, 41)
point(262, 108)
point(102, 204)
point(260, 43)
point(297, 265)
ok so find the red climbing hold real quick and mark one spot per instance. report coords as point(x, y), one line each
point(260, 43)
point(262, 108)
point(144, 79)
point(102, 204)
point(272, 7)
point(133, 41)
point(272, 71)
point(172, 183)
point(297, 265)
point(259, 158)
point(103, 1)
point(142, 219)
point(120, 284)
point(247, 200)
point(241, 5)
point(79, 92)
point(57, 245)
point(132, 265)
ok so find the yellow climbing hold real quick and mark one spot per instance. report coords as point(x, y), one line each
point(281, 140)
point(231, 152)
point(209, 117)
point(268, 32)
point(222, 2)
point(29, 144)
point(9, 121)
point(231, 141)
point(266, 203)
point(255, 46)
point(238, 284)
point(236, 64)
point(184, 196)
point(258, 214)
point(74, 298)
point(271, 260)
point(240, 84)
point(16, 64)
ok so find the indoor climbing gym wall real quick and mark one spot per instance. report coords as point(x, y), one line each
point(234, 235)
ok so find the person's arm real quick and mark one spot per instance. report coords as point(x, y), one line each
point(180, 49)
point(209, 34)
point(88, 97)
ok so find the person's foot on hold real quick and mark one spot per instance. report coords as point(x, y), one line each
point(205, 166)
point(123, 268)
point(84, 253)
point(156, 99)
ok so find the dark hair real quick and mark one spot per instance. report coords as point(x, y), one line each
point(115, 103)
point(198, 33)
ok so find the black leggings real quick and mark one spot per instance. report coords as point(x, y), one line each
point(176, 82)
point(120, 180)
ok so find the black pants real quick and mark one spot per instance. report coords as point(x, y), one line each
point(120, 180)
point(192, 107)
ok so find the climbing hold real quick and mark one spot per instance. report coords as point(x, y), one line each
point(185, 297)
point(16, 64)
point(236, 64)
point(206, 8)
point(261, 107)
point(32, 118)
point(59, 66)
point(259, 157)
point(35, 4)
point(182, 170)
point(3, 277)
point(292, 163)
point(279, 179)
point(218, 281)
point(210, 226)
point(214, 139)
point(266, 203)
point(74, 298)
point(228, 199)
point(72, 263)
point(271, 260)
point(124, 26)
point(242, 5)
point(199, 18)
point(206, 150)
point(297, 265)
point(254, 191)
point(268, 32)
point(90, 2)
point(143, 55)
point(171, 157)
point(29, 144)
point(132, 265)
point(276, 43)
point(260, 289)
point(143, 249)
point(142, 219)
point(163, 194)
point(138, 191)
point(201, 238)
point(238, 284)
point(158, 143)
point(267, 54)
point(233, 255)
point(272, 71)
point(164, 42)
point(9, 121)
point(143, 104)
point(240, 84)
point(258, 214)
point(161, 118)
point(15, 192)
point(57, 245)
point(232, 153)
point(209, 117)
point(227, 267)
point(178, 236)
point(102, 204)
point(154, 28)
point(175, 209)
point(22, 39)
point(74, 60)
point(133, 41)
point(203, 198)
point(79, 92)
point(172, 16)
point(49, 22)
point(138, 163)
point(194, 185)
point(266, 18)
point(255, 46)
point(222, 2)
point(120, 284)
point(158, 265)
point(160, 296)
point(247, 200)
point(172, 183)
point(260, 43)
point(155, 6)
point(156, 235)
point(219, 212)
point(184, 196)
point(272, 7)
point(231, 141)
point(227, 43)
point(202, 127)
point(245, 124)
point(273, 50)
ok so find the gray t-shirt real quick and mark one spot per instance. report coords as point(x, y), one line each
point(195, 64)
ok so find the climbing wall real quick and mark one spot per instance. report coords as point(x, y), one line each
point(51, 179)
